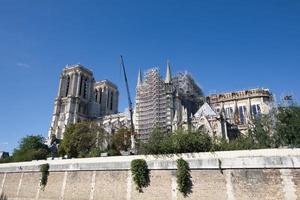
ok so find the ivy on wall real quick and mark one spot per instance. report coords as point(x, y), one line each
point(44, 169)
point(140, 174)
point(184, 182)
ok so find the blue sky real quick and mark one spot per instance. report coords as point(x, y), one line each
point(226, 44)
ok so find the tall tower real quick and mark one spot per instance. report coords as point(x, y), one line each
point(153, 98)
point(169, 98)
point(72, 102)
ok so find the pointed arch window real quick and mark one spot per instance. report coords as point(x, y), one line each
point(111, 100)
point(96, 95)
point(100, 96)
point(68, 86)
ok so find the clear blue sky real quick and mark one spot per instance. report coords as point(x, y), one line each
point(227, 45)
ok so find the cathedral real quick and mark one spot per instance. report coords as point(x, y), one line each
point(80, 97)
point(170, 103)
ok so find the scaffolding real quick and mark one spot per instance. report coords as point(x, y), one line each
point(188, 90)
point(151, 104)
point(158, 100)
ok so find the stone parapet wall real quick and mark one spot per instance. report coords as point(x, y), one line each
point(256, 174)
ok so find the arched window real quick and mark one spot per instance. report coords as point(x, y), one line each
point(80, 85)
point(107, 99)
point(111, 100)
point(100, 96)
point(96, 95)
point(68, 85)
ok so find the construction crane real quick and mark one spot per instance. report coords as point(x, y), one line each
point(132, 135)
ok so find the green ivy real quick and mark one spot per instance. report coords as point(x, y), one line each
point(140, 174)
point(184, 182)
point(44, 169)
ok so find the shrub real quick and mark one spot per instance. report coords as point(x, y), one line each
point(44, 169)
point(184, 182)
point(140, 174)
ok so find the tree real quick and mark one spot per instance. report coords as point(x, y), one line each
point(263, 131)
point(81, 139)
point(31, 147)
point(121, 140)
point(288, 126)
point(180, 141)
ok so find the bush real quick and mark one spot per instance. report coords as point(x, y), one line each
point(184, 182)
point(177, 142)
point(44, 169)
point(140, 174)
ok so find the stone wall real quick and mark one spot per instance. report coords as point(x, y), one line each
point(260, 174)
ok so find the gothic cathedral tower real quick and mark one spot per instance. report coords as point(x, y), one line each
point(80, 98)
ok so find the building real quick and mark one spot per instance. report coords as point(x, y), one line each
point(3, 155)
point(175, 102)
point(229, 114)
point(80, 97)
point(167, 104)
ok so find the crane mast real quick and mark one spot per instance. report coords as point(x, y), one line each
point(132, 137)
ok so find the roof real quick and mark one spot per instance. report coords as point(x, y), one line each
point(205, 110)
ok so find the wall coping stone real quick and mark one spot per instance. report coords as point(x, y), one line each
point(246, 159)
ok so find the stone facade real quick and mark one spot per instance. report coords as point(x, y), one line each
point(230, 114)
point(80, 97)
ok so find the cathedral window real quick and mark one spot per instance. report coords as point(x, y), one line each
point(96, 95)
point(242, 113)
point(100, 96)
point(229, 112)
point(111, 100)
point(80, 85)
point(68, 85)
point(108, 97)
point(255, 110)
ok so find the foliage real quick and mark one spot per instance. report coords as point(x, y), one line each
point(121, 140)
point(140, 174)
point(288, 126)
point(44, 169)
point(240, 143)
point(113, 152)
point(31, 148)
point(184, 182)
point(6, 160)
point(178, 142)
point(82, 138)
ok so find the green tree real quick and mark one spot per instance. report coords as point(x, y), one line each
point(31, 147)
point(288, 126)
point(121, 140)
point(81, 139)
point(262, 132)
point(180, 141)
